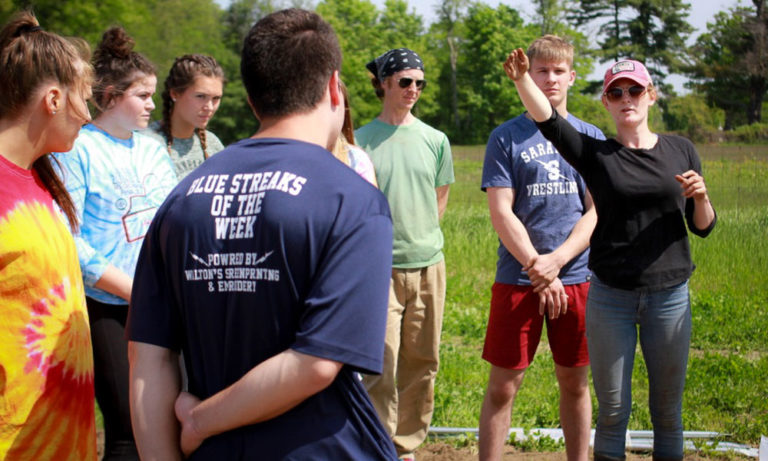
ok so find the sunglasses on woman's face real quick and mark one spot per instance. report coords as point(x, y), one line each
point(405, 82)
point(615, 94)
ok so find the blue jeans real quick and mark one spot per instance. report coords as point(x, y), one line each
point(664, 320)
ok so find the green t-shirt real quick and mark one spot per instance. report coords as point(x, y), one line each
point(410, 161)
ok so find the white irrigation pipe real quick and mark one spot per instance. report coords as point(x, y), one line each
point(636, 440)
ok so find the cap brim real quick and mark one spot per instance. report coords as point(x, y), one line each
point(640, 81)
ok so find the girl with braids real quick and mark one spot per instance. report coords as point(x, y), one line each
point(192, 95)
point(117, 177)
point(46, 366)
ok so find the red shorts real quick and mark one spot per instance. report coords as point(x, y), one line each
point(514, 328)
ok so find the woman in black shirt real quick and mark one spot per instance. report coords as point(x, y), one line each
point(646, 188)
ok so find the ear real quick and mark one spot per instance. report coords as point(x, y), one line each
point(604, 101)
point(652, 96)
point(174, 95)
point(572, 78)
point(54, 99)
point(334, 87)
point(109, 97)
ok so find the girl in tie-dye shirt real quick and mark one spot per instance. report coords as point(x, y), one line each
point(46, 365)
point(118, 178)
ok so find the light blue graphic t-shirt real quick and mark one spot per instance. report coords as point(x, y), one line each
point(117, 186)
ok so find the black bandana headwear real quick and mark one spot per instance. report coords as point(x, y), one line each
point(394, 61)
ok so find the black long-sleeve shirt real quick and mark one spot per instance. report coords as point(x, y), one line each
point(640, 241)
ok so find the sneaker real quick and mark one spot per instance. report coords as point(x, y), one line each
point(407, 458)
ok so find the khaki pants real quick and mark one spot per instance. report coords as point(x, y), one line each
point(403, 394)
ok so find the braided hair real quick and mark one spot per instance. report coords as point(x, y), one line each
point(182, 75)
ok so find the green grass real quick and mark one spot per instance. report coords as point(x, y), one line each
point(727, 387)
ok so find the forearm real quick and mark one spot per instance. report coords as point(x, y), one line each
point(511, 231)
point(154, 385)
point(442, 199)
point(535, 102)
point(514, 237)
point(578, 239)
point(703, 213)
point(268, 390)
point(115, 281)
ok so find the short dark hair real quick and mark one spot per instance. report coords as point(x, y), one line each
point(287, 59)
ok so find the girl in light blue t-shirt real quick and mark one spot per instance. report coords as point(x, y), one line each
point(117, 178)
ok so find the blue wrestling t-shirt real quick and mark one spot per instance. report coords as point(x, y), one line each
point(549, 193)
point(273, 244)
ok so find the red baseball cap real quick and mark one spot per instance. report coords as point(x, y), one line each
point(633, 70)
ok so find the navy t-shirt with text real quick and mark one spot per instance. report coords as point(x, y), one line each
point(270, 245)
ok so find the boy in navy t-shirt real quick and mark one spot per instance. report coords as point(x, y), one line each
point(268, 266)
point(543, 213)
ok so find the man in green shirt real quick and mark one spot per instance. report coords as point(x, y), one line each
point(414, 170)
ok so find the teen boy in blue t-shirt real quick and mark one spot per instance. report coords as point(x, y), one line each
point(268, 266)
point(544, 215)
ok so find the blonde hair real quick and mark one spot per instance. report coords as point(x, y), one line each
point(551, 48)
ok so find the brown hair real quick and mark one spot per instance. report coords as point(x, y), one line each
point(117, 67)
point(30, 56)
point(182, 75)
point(287, 59)
point(551, 48)
point(347, 134)
point(348, 128)
point(377, 87)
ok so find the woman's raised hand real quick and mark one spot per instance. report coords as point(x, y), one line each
point(516, 64)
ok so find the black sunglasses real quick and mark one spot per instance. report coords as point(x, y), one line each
point(405, 82)
point(615, 94)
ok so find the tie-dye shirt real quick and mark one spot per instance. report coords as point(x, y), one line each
point(46, 364)
point(117, 185)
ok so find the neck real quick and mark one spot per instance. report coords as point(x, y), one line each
point(307, 127)
point(562, 109)
point(107, 123)
point(396, 116)
point(20, 143)
point(181, 129)
point(640, 138)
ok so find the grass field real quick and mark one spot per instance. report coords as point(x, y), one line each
point(727, 387)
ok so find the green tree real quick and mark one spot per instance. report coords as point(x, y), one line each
point(448, 37)
point(84, 18)
point(651, 31)
point(730, 63)
point(551, 16)
point(364, 33)
point(691, 116)
point(235, 120)
point(356, 24)
point(487, 97)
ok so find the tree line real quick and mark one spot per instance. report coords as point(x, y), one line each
point(468, 93)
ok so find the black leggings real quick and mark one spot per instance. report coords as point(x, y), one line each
point(110, 357)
